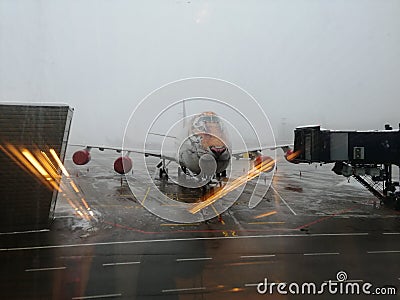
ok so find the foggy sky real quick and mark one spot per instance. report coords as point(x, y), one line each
point(334, 63)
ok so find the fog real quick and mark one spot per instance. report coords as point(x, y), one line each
point(334, 63)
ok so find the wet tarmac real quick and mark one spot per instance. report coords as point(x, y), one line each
point(310, 226)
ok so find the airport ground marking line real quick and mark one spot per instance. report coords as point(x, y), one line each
point(390, 233)
point(179, 224)
point(257, 256)
point(237, 237)
point(145, 196)
point(257, 284)
point(97, 296)
point(121, 263)
point(350, 280)
point(183, 290)
point(193, 259)
point(28, 231)
point(45, 269)
point(251, 284)
point(264, 223)
point(283, 200)
point(383, 251)
point(322, 253)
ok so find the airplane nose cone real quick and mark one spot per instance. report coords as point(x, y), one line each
point(217, 151)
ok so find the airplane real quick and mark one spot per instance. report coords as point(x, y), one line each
point(203, 151)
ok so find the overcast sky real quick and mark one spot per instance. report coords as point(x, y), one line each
point(333, 62)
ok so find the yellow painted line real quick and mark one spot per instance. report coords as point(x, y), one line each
point(259, 223)
point(177, 224)
point(265, 215)
point(145, 196)
point(214, 209)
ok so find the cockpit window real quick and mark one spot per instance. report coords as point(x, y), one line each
point(213, 119)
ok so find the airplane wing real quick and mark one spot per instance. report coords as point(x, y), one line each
point(146, 152)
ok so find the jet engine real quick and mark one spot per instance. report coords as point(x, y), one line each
point(81, 157)
point(123, 165)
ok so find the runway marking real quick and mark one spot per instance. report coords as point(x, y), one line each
point(97, 296)
point(350, 280)
point(179, 224)
point(45, 269)
point(266, 214)
point(261, 223)
point(325, 218)
point(65, 217)
point(256, 284)
point(283, 200)
point(257, 256)
point(145, 196)
point(326, 253)
point(122, 263)
point(238, 237)
point(251, 284)
point(184, 290)
point(390, 233)
point(383, 251)
point(194, 259)
point(28, 231)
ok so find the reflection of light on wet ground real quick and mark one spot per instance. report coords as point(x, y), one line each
point(236, 289)
point(251, 174)
point(265, 214)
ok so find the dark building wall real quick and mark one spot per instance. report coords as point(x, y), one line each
point(27, 203)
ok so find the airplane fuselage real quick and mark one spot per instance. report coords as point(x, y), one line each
point(205, 136)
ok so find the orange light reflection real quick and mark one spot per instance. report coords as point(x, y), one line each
point(265, 215)
point(41, 166)
point(36, 164)
point(60, 164)
point(293, 155)
point(252, 173)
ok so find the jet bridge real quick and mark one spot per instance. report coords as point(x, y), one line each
point(368, 156)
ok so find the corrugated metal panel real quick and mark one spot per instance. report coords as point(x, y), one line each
point(26, 202)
